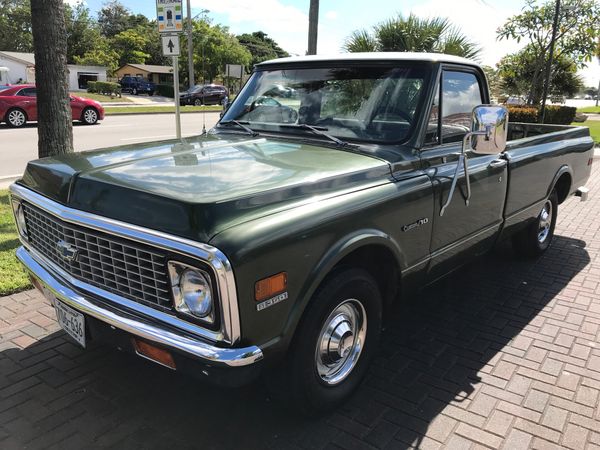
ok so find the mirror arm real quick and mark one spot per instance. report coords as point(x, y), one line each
point(462, 160)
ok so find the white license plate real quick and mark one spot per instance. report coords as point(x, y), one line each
point(71, 321)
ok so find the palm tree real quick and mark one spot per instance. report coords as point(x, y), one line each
point(413, 34)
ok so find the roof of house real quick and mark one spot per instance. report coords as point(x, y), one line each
point(151, 68)
point(27, 58)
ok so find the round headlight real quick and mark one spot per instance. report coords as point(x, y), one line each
point(21, 224)
point(196, 293)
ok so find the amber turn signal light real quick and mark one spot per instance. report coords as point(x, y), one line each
point(153, 353)
point(270, 287)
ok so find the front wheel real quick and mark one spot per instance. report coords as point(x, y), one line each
point(89, 116)
point(134, 91)
point(16, 118)
point(535, 239)
point(197, 102)
point(335, 341)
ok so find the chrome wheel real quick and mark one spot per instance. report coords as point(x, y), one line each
point(90, 116)
point(198, 102)
point(16, 118)
point(341, 341)
point(545, 222)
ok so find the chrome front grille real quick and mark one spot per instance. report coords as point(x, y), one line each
point(120, 266)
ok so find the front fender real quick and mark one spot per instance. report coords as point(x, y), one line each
point(342, 248)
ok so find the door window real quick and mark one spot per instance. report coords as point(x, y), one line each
point(27, 92)
point(460, 94)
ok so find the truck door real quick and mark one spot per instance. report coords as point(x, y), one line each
point(463, 231)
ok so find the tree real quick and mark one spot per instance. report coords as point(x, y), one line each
point(130, 45)
point(517, 71)
point(577, 33)
point(261, 47)
point(114, 18)
point(15, 26)
point(101, 55)
point(413, 34)
point(214, 47)
point(494, 81)
point(82, 31)
point(55, 126)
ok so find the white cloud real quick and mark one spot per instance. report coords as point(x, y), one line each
point(286, 24)
point(331, 15)
point(478, 20)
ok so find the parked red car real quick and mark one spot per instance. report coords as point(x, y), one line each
point(18, 105)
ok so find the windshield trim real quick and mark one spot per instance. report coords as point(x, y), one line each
point(426, 66)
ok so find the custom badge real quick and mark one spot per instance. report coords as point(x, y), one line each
point(416, 224)
point(272, 301)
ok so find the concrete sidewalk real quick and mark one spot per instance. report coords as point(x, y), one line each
point(504, 354)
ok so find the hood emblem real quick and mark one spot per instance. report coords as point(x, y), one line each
point(66, 251)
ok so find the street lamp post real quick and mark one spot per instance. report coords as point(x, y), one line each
point(190, 47)
point(190, 37)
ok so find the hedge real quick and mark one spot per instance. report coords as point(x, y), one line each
point(557, 115)
point(104, 87)
point(166, 90)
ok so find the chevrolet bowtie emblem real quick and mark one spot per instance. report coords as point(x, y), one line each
point(66, 251)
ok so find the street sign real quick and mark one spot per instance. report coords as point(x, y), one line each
point(170, 45)
point(170, 16)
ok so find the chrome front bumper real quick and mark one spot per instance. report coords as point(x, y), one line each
point(136, 324)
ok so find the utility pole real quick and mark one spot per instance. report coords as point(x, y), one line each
point(190, 39)
point(313, 26)
point(549, 62)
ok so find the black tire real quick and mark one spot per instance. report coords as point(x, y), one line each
point(311, 390)
point(89, 116)
point(151, 93)
point(134, 91)
point(16, 118)
point(535, 239)
point(198, 102)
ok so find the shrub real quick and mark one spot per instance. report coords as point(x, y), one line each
point(560, 115)
point(555, 114)
point(522, 114)
point(104, 87)
point(166, 90)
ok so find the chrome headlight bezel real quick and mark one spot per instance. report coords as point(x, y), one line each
point(20, 221)
point(181, 276)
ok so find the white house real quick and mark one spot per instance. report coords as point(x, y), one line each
point(18, 67)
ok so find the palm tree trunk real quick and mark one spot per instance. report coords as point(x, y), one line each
point(313, 26)
point(55, 125)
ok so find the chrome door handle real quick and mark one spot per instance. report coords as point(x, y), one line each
point(497, 164)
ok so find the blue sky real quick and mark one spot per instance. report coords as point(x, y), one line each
point(286, 21)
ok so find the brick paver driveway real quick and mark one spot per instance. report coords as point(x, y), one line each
point(503, 354)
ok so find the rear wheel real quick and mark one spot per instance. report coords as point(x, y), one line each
point(198, 102)
point(89, 116)
point(134, 91)
point(335, 342)
point(535, 239)
point(16, 118)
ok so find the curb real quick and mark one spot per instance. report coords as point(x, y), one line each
point(112, 113)
point(7, 180)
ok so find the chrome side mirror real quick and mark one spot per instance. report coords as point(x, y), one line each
point(488, 135)
point(489, 129)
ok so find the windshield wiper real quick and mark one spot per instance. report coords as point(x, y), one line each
point(317, 130)
point(248, 130)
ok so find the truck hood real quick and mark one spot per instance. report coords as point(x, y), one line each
point(203, 185)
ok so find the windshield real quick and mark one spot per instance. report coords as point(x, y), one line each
point(374, 104)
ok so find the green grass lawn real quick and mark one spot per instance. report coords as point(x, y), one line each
point(594, 126)
point(159, 109)
point(101, 98)
point(12, 275)
point(589, 109)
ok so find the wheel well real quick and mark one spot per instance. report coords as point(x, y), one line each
point(562, 187)
point(381, 264)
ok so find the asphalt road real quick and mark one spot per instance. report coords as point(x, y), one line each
point(18, 146)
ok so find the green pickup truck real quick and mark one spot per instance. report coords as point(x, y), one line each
point(277, 242)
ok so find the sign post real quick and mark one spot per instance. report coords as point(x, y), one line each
point(170, 22)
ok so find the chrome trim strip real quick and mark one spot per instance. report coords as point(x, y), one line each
point(138, 326)
point(230, 327)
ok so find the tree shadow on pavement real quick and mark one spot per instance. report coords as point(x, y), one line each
point(432, 354)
